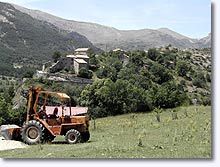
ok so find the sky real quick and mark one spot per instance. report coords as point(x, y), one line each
point(191, 18)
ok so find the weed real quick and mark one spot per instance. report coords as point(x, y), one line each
point(140, 138)
point(158, 111)
point(174, 114)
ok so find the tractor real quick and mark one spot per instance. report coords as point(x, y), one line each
point(44, 122)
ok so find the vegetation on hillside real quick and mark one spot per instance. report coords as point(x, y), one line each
point(139, 81)
point(7, 93)
point(127, 82)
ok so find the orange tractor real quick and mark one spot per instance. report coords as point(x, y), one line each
point(42, 124)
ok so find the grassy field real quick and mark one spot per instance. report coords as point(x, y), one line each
point(135, 136)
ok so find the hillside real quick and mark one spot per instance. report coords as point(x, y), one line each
point(108, 38)
point(27, 42)
point(30, 37)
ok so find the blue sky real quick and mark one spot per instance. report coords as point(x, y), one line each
point(188, 17)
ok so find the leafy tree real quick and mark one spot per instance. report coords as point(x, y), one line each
point(170, 95)
point(160, 74)
point(136, 57)
point(109, 68)
point(84, 73)
point(153, 54)
point(115, 97)
point(88, 96)
point(56, 55)
point(28, 74)
point(4, 111)
point(199, 80)
point(183, 68)
point(127, 72)
point(208, 77)
point(93, 61)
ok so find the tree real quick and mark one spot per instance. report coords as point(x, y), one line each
point(199, 80)
point(4, 111)
point(115, 97)
point(153, 54)
point(160, 74)
point(56, 55)
point(136, 57)
point(28, 74)
point(84, 73)
point(183, 68)
point(110, 67)
point(170, 95)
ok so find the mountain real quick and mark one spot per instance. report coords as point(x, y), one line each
point(108, 38)
point(30, 37)
point(205, 42)
point(27, 42)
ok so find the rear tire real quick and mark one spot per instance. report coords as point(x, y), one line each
point(72, 136)
point(32, 132)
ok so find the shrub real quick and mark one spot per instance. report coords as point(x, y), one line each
point(170, 95)
point(28, 74)
point(84, 73)
point(115, 98)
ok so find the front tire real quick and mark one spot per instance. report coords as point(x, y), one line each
point(72, 136)
point(32, 132)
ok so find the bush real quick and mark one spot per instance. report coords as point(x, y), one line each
point(170, 95)
point(28, 74)
point(153, 54)
point(160, 74)
point(206, 101)
point(84, 73)
point(183, 68)
point(200, 81)
point(115, 98)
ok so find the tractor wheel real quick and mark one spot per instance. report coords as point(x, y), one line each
point(32, 132)
point(85, 136)
point(72, 136)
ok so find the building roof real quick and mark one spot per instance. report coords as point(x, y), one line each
point(81, 49)
point(71, 56)
point(80, 61)
point(82, 56)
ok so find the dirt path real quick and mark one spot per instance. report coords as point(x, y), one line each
point(11, 144)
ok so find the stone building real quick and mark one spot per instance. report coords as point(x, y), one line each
point(78, 64)
point(78, 61)
point(70, 62)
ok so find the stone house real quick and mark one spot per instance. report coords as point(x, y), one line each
point(78, 64)
point(78, 61)
point(84, 57)
point(70, 62)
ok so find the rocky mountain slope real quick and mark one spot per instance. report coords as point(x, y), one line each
point(30, 37)
point(27, 42)
point(108, 38)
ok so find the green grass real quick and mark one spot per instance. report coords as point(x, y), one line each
point(135, 136)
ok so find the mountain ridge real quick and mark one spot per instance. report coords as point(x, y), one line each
point(107, 38)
